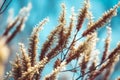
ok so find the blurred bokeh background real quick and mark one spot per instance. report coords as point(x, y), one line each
point(51, 8)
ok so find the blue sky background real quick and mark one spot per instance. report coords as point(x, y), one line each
point(51, 8)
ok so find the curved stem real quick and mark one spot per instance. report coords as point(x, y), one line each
point(70, 46)
point(91, 70)
point(1, 11)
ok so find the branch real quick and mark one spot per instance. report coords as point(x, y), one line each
point(1, 11)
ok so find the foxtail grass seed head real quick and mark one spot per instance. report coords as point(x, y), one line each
point(82, 15)
point(102, 21)
point(34, 41)
point(63, 13)
point(61, 47)
point(4, 54)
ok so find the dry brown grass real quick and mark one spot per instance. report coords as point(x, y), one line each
point(63, 46)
